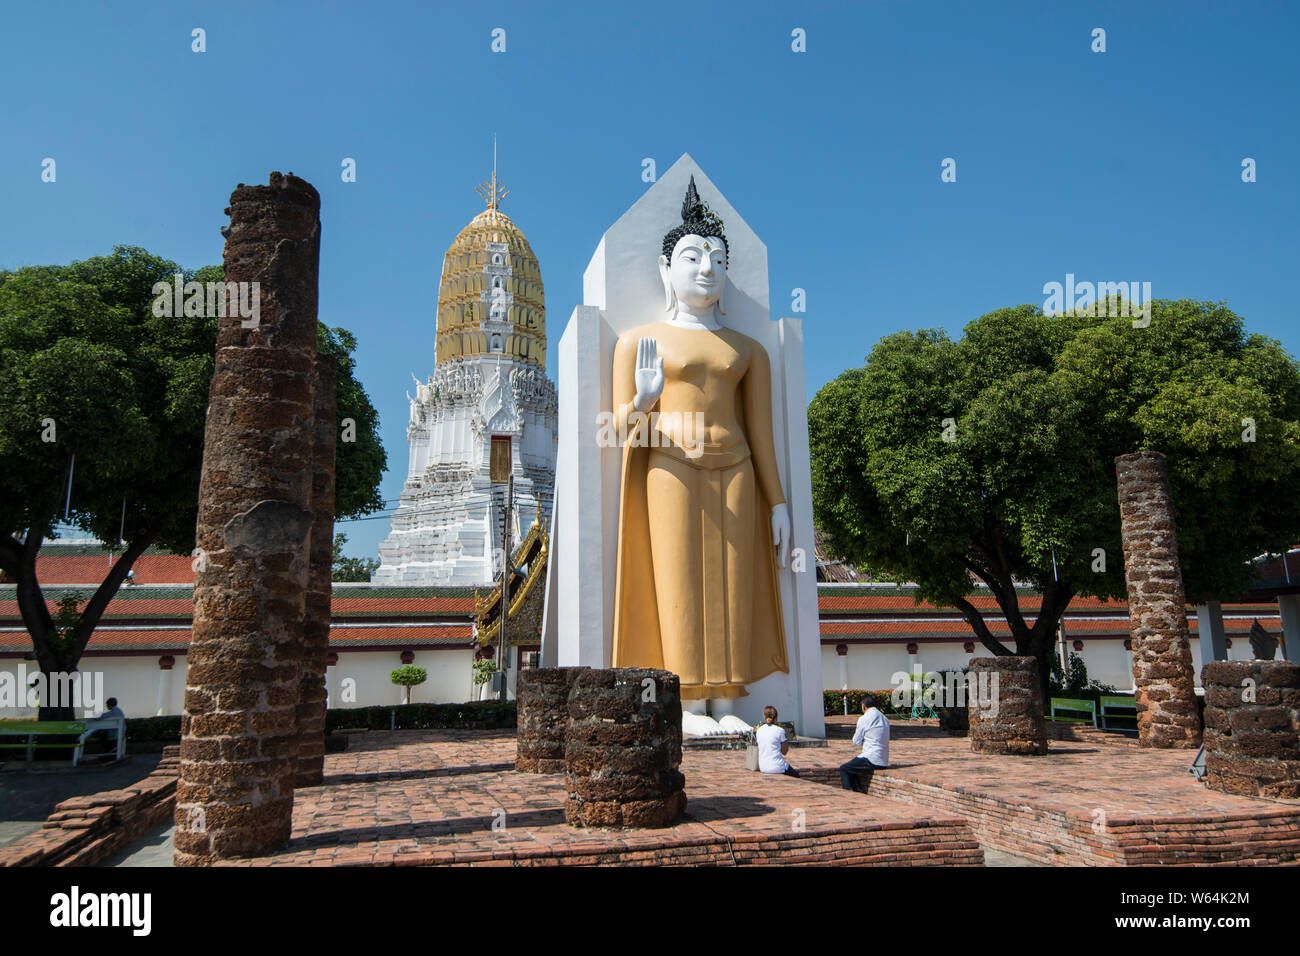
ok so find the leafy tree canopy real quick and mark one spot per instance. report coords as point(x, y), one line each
point(350, 569)
point(992, 458)
point(93, 382)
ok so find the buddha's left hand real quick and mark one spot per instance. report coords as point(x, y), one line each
point(781, 533)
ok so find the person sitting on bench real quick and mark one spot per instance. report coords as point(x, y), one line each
point(872, 734)
point(113, 711)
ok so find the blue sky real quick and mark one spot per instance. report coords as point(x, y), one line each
point(1123, 165)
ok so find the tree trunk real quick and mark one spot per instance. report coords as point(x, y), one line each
point(1044, 656)
point(55, 655)
point(1035, 641)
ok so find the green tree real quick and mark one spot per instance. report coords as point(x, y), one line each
point(408, 676)
point(991, 459)
point(93, 384)
point(350, 569)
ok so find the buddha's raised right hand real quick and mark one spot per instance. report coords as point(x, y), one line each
point(649, 374)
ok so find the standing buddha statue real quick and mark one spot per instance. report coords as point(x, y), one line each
point(703, 521)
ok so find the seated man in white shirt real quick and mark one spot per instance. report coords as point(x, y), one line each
point(113, 711)
point(772, 745)
point(872, 734)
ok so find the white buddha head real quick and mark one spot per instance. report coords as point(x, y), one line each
point(693, 265)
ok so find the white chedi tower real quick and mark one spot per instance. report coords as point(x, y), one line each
point(488, 396)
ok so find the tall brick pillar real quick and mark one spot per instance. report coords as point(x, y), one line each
point(316, 628)
point(1167, 713)
point(239, 731)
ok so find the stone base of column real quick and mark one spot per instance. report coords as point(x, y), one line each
point(623, 747)
point(542, 701)
point(1011, 720)
point(226, 830)
point(1252, 728)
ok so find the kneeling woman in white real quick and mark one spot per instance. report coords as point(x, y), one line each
point(772, 745)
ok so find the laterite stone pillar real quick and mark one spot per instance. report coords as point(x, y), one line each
point(316, 627)
point(623, 745)
point(1167, 712)
point(1252, 728)
point(239, 730)
point(542, 698)
point(1005, 701)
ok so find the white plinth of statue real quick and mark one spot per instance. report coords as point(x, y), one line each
point(623, 290)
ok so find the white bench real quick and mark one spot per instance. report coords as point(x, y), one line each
point(33, 730)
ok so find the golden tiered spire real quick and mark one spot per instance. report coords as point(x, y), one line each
point(471, 275)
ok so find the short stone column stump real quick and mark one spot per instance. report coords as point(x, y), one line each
point(623, 749)
point(1252, 728)
point(1011, 718)
point(542, 701)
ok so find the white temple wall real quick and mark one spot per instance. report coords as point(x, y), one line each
point(871, 665)
point(449, 677)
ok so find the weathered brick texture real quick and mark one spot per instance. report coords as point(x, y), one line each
point(316, 628)
point(240, 728)
point(1167, 713)
point(623, 747)
point(1012, 723)
point(86, 830)
point(1252, 728)
point(542, 696)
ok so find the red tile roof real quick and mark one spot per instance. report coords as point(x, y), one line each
point(122, 607)
point(178, 638)
point(90, 569)
point(442, 616)
point(902, 600)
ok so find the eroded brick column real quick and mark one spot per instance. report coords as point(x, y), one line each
point(542, 700)
point(1005, 701)
point(316, 628)
point(1252, 728)
point(623, 745)
point(239, 730)
point(1162, 655)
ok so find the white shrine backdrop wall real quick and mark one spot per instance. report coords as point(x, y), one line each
point(622, 290)
point(135, 679)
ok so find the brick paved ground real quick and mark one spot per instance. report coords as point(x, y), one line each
point(430, 797)
point(30, 792)
point(426, 797)
point(1095, 801)
point(421, 797)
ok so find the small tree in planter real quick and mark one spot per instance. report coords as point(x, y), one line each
point(484, 668)
point(408, 676)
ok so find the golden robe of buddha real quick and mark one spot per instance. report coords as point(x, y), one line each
point(702, 517)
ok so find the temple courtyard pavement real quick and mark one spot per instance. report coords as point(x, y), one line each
point(442, 797)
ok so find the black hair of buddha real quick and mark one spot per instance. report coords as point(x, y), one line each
point(697, 220)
